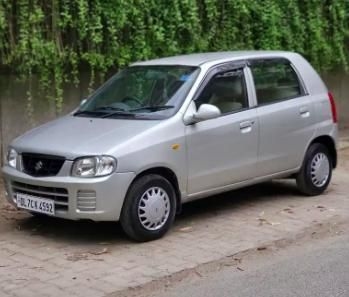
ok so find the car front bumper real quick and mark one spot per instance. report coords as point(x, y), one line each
point(97, 199)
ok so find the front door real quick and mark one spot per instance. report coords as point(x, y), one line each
point(223, 151)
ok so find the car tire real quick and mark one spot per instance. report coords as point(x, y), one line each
point(149, 208)
point(316, 171)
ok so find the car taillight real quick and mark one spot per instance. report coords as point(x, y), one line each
point(333, 107)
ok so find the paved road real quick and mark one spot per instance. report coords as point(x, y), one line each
point(319, 268)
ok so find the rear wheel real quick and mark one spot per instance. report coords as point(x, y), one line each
point(149, 208)
point(316, 171)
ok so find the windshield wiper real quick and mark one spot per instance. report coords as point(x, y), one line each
point(103, 114)
point(103, 108)
point(88, 112)
point(115, 111)
point(119, 113)
point(153, 108)
point(103, 111)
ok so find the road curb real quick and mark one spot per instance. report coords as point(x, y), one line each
point(319, 230)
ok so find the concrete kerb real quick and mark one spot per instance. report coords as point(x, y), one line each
point(317, 231)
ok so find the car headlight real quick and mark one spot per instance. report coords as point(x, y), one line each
point(94, 166)
point(11, 158)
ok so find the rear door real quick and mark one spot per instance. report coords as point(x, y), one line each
point(285, 115)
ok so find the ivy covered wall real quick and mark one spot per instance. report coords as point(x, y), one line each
point(55, 39)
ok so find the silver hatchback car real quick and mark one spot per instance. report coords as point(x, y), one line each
point(164, 132)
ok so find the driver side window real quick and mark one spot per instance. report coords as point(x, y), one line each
point(227, 91)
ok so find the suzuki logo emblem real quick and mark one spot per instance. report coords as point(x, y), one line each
point(38, 166)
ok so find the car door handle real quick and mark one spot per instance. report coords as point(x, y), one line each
point(246, 126)
point(304, 112)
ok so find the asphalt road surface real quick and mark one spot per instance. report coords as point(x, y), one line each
point(318, 268)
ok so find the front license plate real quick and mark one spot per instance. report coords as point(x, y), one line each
point(36, 204)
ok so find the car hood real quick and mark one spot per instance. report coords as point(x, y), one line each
point(72, 136)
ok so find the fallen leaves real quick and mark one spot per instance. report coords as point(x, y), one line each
point(99, 251)
point(324, 208)
point(288, 210)
point(198, 273)
point(236, 261)
point(186, 229)
point(263, 220)
point(77, 257)
point(85, 255)
point(8, 208)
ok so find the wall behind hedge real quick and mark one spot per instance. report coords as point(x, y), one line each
point(55, 39)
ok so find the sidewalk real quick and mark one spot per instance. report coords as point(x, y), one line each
point(62, 258)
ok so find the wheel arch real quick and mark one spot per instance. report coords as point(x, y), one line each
point(170, 175)
point(329, 143)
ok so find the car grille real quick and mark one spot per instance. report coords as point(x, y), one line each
point(58, 195)
point(41, 165)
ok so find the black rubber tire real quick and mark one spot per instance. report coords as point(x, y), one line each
point(129, 215)
point(304, 182)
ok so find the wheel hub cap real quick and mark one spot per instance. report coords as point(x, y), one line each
point(320, 169)
point(154, 208)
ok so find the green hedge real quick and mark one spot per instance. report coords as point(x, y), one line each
point(56, 38)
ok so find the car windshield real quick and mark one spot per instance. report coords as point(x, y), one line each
point(141, 92)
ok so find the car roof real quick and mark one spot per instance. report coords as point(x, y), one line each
point(200, 59)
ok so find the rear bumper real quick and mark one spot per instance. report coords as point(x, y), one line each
point(110, 192)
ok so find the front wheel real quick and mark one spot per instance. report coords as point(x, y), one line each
point(149, 208)
point(316, 171)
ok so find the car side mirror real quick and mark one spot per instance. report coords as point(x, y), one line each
point(206, 112)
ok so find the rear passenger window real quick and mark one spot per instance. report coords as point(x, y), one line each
point(275, 80)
